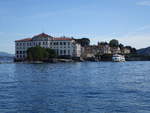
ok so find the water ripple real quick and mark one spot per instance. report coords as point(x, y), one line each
point(89, 87)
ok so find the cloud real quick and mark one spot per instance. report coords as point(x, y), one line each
point(138, 41)
point(138, 38)
point(143, 3)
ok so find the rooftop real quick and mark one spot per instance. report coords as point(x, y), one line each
point(43, 35)
point(24, 40)
point(69, 39)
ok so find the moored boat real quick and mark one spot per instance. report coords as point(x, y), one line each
point(118, 58)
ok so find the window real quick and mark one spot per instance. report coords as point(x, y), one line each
point(57, 51)
point(60, 43)
point(68, 44)
point(64, 52)
point(60, 51)
point(64, 43)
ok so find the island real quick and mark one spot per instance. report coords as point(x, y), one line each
point(46, 48)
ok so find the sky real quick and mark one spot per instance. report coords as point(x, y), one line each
point(100, 20)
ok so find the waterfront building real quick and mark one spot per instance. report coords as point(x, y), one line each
point(126, 50)
point(115, 50)
point(63, 46)
point(90, 51)
point(102, 49)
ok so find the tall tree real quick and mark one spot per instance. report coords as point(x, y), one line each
point(39, 54)
point(114, 43)
point(121, 46)
point(51, 53)
point(83, 41)
point(102, 43)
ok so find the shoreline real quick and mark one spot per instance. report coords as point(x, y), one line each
point(107, 58)
point(39, 62)
point(72, 61)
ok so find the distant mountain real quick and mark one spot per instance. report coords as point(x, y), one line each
point(4, 54)
point(144, 51)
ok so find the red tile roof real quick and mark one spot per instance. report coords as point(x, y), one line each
point(42, 35)
point(45, 35)
point(58, 39)
point(24, 40)
point(65, 39)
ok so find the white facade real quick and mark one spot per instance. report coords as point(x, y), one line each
point(62, 46)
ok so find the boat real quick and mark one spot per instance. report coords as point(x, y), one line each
point(118, 58)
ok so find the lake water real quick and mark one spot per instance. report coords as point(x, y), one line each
point(89, 87)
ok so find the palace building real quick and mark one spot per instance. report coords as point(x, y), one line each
point(63, 46)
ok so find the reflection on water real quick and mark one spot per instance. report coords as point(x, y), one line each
point(75, 88)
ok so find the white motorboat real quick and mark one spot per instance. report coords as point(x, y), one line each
point(118, 58)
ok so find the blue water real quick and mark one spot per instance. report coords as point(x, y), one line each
point(89, 87)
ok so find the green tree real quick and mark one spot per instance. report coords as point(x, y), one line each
point(51, 53)
point(114, 43)
point(121, 46)
point(133, 50)
point(83, 41)
point(37, 53)
point(103, 43)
